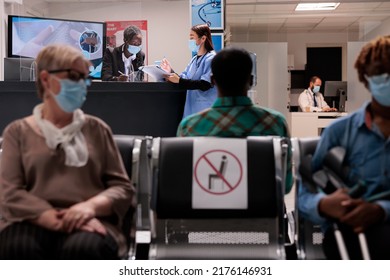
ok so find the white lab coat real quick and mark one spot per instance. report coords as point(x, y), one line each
point(306, 100)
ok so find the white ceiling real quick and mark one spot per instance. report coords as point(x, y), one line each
point(253, 16)
point(267, 16)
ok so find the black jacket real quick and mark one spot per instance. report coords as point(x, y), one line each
point(112, 63)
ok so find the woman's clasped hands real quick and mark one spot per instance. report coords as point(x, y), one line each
point(80, 216)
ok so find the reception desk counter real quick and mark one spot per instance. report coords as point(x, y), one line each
point(311, 124)
point(153, 109)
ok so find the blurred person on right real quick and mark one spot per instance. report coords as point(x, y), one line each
point(364, 135)
point(233, 114)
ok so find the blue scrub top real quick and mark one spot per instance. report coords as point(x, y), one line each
point(199, 69)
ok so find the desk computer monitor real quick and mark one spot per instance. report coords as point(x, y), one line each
point(19, 69)
point(336, 91)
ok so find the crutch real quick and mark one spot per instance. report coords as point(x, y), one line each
point(322, 180)
point(329, 181)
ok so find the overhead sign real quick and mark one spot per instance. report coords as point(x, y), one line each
point(219, 174)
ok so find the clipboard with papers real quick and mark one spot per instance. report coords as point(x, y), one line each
point(155, 71)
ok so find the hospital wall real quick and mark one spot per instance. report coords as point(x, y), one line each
point(168, 28)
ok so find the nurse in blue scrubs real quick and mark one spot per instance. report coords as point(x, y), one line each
point(201, 94)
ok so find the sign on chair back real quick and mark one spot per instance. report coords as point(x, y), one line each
point(217, 198)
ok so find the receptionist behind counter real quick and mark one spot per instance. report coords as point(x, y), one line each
point(122, 63)
point(311, 100)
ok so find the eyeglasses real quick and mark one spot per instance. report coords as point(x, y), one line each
point(74, 75)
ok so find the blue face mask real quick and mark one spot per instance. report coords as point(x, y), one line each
point(380, 88)
point(72, 94)
point(133, 49)
point(316, 89)
point(192, 46)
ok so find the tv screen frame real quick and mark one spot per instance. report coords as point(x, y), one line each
point(28, 35)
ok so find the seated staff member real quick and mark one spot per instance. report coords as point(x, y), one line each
point(233, 113)
point(201, 94)
point(312, 100)
point(122, 63)
point(63, 188)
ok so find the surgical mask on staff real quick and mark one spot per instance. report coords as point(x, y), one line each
point(133, 49)
point(316, 89)
point(379, 86)
point(193, 46)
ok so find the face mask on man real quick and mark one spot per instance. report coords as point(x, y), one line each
point(72, 94)
point(379, 86)
point(133, 49)
point(193, 46)
point(316, 89)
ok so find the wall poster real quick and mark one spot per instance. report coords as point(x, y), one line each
point(210, 12)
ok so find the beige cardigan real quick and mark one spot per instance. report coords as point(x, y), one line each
point(34, 178)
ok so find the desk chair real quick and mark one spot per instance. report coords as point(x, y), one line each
point(308, 237)
point(179, 231)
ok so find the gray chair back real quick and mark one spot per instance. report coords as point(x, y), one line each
point(308, 236)
point(181, 232)
point(129, 148)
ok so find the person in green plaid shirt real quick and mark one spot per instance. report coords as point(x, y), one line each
point(233, 113)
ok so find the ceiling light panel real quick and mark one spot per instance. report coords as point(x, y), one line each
point(317, 6)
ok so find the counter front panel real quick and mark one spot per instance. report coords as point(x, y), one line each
point(311, 124)
point(153, 109)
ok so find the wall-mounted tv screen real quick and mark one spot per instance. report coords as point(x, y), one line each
point(28, 35)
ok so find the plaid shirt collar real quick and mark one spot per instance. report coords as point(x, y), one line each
point(230, 101)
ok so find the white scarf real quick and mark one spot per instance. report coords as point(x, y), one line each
point(69, 137)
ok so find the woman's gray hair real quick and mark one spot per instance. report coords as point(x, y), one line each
point(55, 57)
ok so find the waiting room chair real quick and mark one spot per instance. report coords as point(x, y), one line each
point(308, 237)
point(1, 152)
point(134, 157)
point(181, 230)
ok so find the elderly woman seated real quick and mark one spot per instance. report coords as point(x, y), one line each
point(63, 188)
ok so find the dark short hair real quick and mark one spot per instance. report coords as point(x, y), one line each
point(374, 59)
point(130, 32)
point(314, 79)
point(231, 69)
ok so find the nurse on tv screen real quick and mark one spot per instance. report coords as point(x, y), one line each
point(28, 35)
